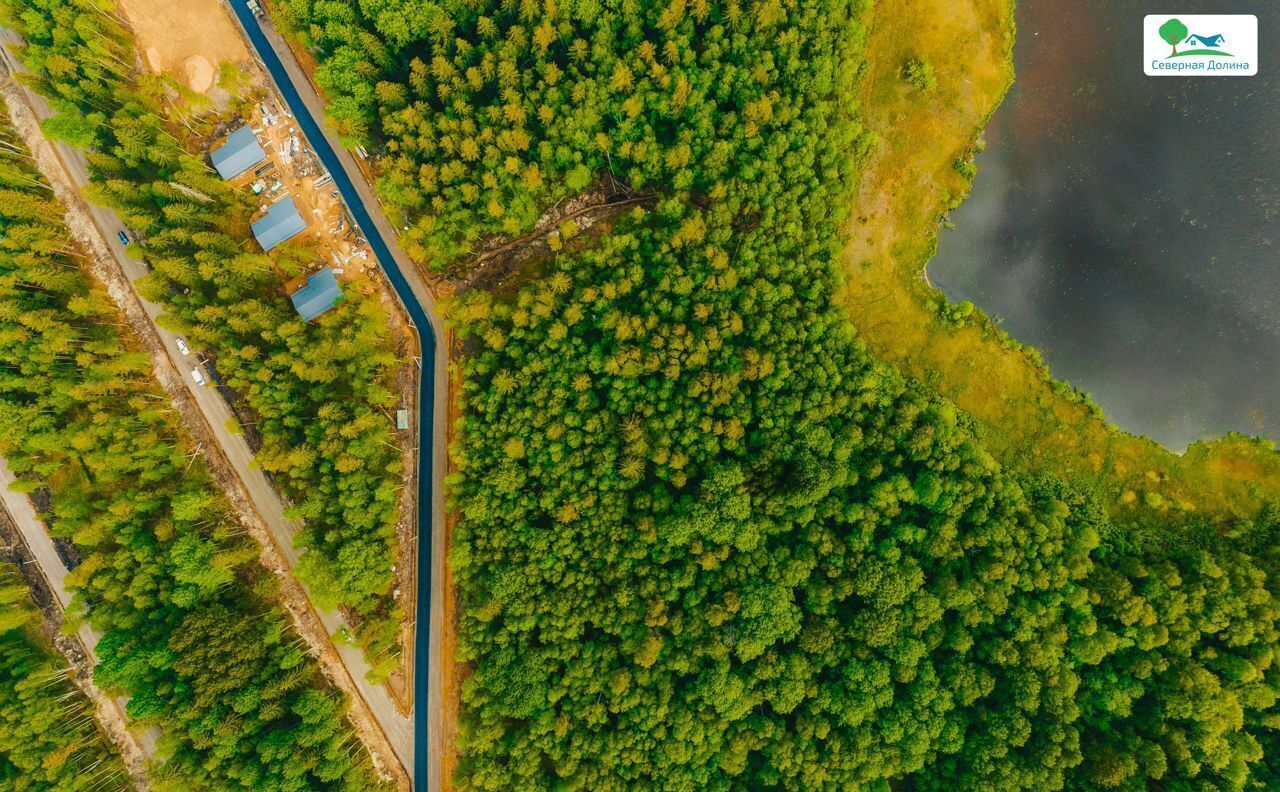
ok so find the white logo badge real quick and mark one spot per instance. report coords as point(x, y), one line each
point(1200, 45)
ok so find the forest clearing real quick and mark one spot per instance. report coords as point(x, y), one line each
point(242, 93)
point(190, 39)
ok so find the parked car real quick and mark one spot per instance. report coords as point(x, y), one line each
point(182, 346)
point(123, 237)
point(197, 376)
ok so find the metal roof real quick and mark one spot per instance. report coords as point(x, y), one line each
point(238, 154)
point(319, 295)
point(280, 223)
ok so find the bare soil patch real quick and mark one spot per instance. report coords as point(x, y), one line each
point(185, 38)
point(198, 73)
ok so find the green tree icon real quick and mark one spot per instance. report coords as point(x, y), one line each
point(1173, 32)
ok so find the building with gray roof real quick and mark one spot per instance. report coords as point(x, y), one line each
point(238, 153)
point(319, 295)
point(281, 223)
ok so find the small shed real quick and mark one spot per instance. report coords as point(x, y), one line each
point(281, 223)
point(319, 295)
point(238, 153)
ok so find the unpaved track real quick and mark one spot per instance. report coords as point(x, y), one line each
point(134, 748)
point(385, 732)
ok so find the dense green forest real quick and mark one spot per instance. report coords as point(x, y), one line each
point(321, 392)
point(190, 631)
point(707, 541)
point(49, 739)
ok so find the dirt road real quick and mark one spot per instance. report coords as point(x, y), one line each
point(268, 506)
point(135, 748)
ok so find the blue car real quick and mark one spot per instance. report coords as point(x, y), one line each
point(124, 238)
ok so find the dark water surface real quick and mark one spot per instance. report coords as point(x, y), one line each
point(1129, 226)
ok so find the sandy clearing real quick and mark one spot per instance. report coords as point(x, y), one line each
point(186, 38)
point(199, 73)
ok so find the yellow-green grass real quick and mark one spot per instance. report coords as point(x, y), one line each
point(1027, 419)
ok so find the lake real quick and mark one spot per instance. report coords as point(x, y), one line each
point(1129, 226)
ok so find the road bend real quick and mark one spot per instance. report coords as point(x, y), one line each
point(307, 106)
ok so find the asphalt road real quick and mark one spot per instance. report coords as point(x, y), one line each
point(419, 303)
point(398, 728)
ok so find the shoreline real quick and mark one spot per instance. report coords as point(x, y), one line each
point(1030, 421)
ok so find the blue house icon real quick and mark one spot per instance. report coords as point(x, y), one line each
point(1206, 41)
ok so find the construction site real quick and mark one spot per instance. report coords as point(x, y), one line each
point(290, 169)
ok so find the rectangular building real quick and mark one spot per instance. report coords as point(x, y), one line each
point(238, 153)
point(319, 295)
point(281, 223)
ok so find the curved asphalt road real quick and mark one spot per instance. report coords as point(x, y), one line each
point(429, 463)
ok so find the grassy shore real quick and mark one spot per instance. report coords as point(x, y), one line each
point(922, 167)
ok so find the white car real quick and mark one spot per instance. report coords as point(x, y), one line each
point(182, 346)
point(197, 376)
